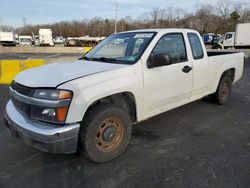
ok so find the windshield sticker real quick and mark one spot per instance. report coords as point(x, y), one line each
point(131, 58)
point(143, 35)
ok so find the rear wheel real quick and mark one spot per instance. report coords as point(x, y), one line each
point(223, 92)
point(105, 132)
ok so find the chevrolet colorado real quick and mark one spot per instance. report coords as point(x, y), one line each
point(91, 103)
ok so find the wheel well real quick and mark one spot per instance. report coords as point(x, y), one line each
point(124, 100)
point(229, 72)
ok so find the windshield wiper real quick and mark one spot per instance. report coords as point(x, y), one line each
point(85, 58)
point(105, 59)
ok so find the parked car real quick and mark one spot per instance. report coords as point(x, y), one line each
point(25, 40)
point(59, 40)
point(70, 41)
point(91, 103)
point(217, 42)
point(207, 38)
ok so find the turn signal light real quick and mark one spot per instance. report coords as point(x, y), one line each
point(65, 95)
point(61, 113)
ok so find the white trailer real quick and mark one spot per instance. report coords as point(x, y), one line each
point(7, 39)
point(45, 37)
point(242, 35)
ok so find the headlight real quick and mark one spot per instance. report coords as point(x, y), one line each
point(50, 94)
point(51, 114)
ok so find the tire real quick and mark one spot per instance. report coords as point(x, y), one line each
point(223, 92)
point(105, 132)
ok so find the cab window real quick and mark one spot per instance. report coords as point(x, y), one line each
point(229, 36)
point(172, 45)
point(196, 46)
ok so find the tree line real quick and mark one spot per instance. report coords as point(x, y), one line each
point(221, 17)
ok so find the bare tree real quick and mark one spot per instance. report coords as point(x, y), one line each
point(243, 9)
point(6, 28)
point(220, 18)
point(156, 14)
point(224, 8)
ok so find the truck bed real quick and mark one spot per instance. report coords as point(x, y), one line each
point(221, 60)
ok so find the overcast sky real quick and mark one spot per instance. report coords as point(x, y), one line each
point(12, 12)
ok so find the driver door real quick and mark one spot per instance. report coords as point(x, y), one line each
point(168, 86)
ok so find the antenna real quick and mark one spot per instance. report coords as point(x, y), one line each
point(116, 9)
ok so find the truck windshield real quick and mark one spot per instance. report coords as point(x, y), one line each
point(125, 48)
point(25, 40)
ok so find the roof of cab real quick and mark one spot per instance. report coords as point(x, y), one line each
point(163, 30)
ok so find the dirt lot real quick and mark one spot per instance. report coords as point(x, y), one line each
point(197, 145)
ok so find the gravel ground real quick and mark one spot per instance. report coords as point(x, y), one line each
point(200, 144)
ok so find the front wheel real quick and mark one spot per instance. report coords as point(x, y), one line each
point(105, 132)
point(223, 92)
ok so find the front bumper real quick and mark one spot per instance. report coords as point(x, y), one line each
point(46, 137)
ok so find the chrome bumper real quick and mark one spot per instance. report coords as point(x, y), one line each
point(46, 137)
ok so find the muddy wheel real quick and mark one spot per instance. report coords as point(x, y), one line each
point(223, 92)
point(105, 132)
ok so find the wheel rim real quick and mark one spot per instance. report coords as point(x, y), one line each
point(109, 134)
point(224, 92)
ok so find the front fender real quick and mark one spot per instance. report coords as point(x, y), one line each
point(89, 89)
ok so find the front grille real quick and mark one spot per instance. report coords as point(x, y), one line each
point(22, 107)
point(24, 90)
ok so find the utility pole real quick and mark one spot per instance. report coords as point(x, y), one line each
point(116, 9)
point(24, 21)
point(1, 24)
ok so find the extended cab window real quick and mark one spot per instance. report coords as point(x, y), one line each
point(196, 47)
point(172, 45)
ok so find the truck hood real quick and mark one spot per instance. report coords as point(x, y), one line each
point(55, 74)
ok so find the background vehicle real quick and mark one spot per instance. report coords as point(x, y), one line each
point(35, 41)
point(217, 42)
point(228, 42)
point(70, 41)
point(239, 40)
point(16, 39)
point(59, 40)
point(25, 40)
point(45, 37)
point(207, 38)
point(242, 34)
point(83, 41)
point(91, 103)
point(7, 39)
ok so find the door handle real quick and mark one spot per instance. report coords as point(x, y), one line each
point(187, 69)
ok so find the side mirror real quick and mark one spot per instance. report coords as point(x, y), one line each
point(158, 60)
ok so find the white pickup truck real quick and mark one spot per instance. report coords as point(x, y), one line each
point(92, 102)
